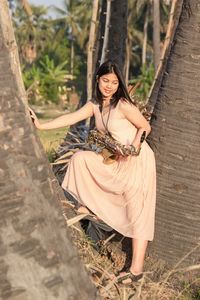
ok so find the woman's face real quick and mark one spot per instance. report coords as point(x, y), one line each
point(108, 85)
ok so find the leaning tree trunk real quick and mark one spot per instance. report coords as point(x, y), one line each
point(37, 257)
point(176, 142)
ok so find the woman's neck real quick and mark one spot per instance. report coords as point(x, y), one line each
point(106, 101)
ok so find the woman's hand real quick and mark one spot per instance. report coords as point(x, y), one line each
point(34, 118)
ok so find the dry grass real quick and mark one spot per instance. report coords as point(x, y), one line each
point(160, 283)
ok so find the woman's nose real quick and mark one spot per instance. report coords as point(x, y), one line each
point(108, 84)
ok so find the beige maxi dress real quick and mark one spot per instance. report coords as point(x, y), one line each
point(122, 194)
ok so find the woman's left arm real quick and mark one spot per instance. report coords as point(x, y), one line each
point(132, 113)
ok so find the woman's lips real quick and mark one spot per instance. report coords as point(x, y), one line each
point(107, 91)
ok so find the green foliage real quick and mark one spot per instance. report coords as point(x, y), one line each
point(52, 48)
point(51, 140)
point(145, 78)
point(45, 79)
point(138, 11)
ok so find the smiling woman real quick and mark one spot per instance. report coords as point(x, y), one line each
point(122, 193)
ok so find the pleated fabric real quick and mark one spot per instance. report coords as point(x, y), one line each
point(122, 194)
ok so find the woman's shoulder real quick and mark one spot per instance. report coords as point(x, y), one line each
point(125, 104)
point(94, 104)
point(93, 101)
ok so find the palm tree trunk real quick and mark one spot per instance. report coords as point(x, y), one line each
point(156, 32)
point(27, 8)
point(106, 34)
point(72, 57)
point(38, 260)
point(100, 34)
point(145, 33)
point(92, 38)
point(117, 36)
point(128, 57)
point(118, 33)
point(176, 142)
point(171, 28)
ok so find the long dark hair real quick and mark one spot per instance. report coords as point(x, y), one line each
point(122, 92)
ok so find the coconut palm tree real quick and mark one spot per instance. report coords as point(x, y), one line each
point(175, 140)
point(37, 257)
point(32, 32)
point(156, 32)
point(91, 45)
point(75, 17)
point(112, 32)
point(118, 32)
point(140, 29)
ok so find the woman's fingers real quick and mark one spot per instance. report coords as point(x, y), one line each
point(32, 114)
point(33, 117)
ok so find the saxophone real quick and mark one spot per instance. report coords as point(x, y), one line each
point(110, 148)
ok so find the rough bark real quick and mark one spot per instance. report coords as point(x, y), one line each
point(175, 13)
point(117, 36)
point(37, 259)
point(106, 33)
point(100, 34)
point(118, 32)
point(176, 141)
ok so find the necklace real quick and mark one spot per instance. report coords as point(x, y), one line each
point(106, 124)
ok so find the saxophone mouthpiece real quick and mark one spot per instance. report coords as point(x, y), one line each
point(143, 136)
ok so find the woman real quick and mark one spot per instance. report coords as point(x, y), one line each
point(123, 193)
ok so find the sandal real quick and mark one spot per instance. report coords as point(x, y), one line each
point(132, 278)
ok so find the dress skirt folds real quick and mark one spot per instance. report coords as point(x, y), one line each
point(123, 193)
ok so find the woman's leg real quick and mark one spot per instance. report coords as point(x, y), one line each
point(139, 249)
point(135, 272)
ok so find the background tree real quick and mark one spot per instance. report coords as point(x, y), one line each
point(37, 257)
point(118, 32)
point(156, 32)
point(65, 39)
point(91, 45)
point(140, 47)
point(112, 32)
point(175, 139)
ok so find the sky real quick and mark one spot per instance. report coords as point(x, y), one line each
point(57, 3)
point(46, 2)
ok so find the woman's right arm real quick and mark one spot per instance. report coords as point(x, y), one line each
point(66, 120)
